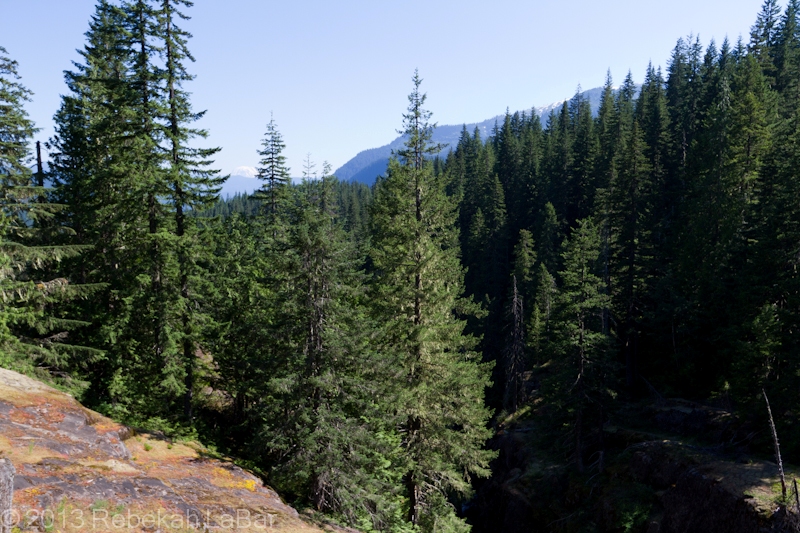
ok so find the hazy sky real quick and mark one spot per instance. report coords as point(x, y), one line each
point(336, 74)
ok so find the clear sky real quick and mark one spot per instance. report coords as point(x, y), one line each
point(336, 74)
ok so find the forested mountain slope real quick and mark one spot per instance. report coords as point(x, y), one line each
point(369, 164)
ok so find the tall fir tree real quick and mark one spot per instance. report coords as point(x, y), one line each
point(580, 349)
point(317, 422)
point(93, 168)
point(34, 332)
point(193, 187)
point(630, 216)
point(584, 152)
point(132, 190)
point(418, 297)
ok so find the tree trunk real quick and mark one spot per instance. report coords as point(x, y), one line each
point(579, 441)
point(412, 487)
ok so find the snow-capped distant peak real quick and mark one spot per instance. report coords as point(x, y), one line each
point(244, 171)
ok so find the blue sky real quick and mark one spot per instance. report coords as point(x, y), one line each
point(336, 74)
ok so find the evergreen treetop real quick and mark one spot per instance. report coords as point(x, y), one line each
point(272, 170)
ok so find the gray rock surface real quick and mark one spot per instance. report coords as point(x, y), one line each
point(7, 472)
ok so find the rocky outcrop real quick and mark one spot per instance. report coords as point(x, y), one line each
point(6, 494)
point(701, 492)
point(681, 484)
point(79, 471)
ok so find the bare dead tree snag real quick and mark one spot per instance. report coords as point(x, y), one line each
point(777, 446)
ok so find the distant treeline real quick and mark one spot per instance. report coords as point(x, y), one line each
point(352, 199)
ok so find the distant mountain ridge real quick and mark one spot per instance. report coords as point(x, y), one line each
point(367, 165)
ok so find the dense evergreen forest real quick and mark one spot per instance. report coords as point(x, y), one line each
point(358, 346)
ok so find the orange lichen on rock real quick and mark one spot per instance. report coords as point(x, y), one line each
point(80, 471)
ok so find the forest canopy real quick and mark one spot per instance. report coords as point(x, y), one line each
point(360, 346)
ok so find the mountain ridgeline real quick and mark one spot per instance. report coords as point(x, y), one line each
point(367, 165)
point(547, 325)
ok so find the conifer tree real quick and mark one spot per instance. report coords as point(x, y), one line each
point(653, 118)
point(775, 222)
point(541, 325)
point(763, 38)
point(495, 248)
point(244, 310)
point(683, 94)
point(483, 219)
point(580, 348)
point(630, 214)
point(534, 286)
point(417, 295)
point(787, 48)
point(549, 238)
point(559, 145)
point(532, 189)
point(273, 171)
point(151, 378)
point(98, 181)
point(508, 168)
point(605, 170)
point(750, 185)
point(607, 139)
point(524, 268)
point(456, 167)
point(32, 332)
point(131, 190)
point(319, 422)
point(90, 177)
point(584, 152)
point(193, 187)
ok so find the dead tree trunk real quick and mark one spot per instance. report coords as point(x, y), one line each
point(777, 446)
point(515, 354)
